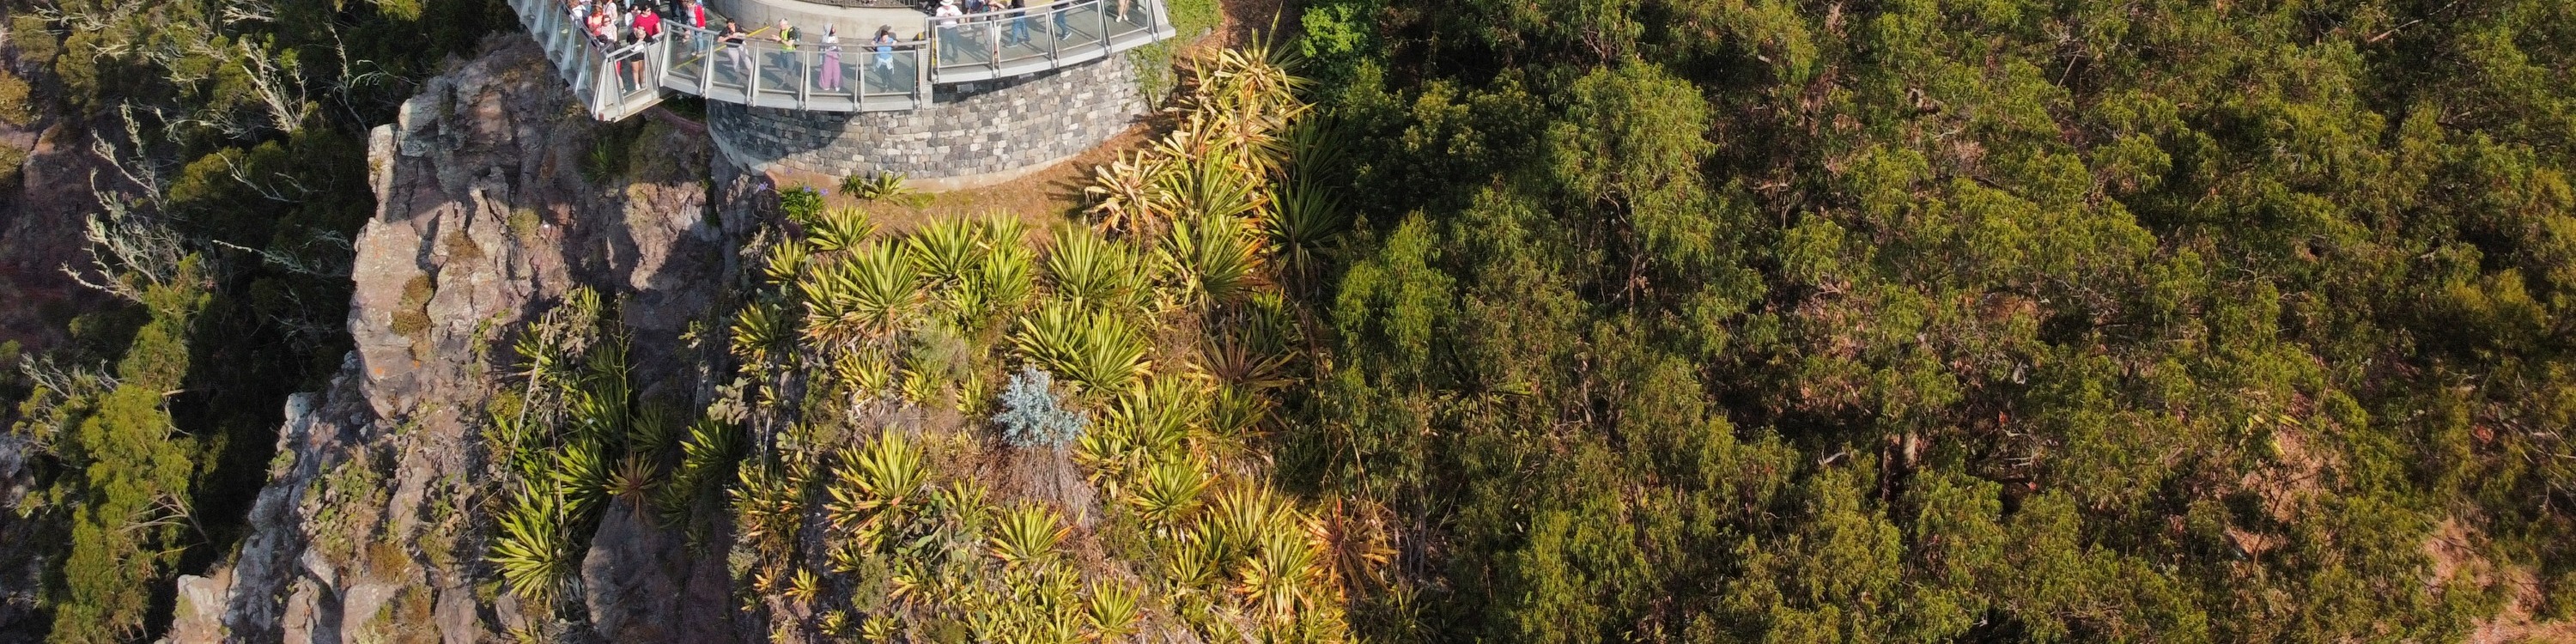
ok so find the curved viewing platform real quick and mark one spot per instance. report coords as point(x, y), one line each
point(857, 76)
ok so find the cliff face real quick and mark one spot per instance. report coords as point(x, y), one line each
point(497, 197)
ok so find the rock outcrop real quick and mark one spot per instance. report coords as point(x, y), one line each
point(497, 197)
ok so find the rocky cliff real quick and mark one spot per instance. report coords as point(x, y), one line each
point(497, 197)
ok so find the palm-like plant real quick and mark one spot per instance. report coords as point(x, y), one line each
point(1167, 493)
point(1027, 534)
point(1211, 181)
point(535, 549)
point(1122, 194)
point(631, 481)
point(864, 298)
point(840, 229)
point(756, 331)
point(580, 473)
point(1302, 222)
point(1093, 271)
point(944, 250)
point(1212, 259)
point(786, 260)
point(883, 474)
point(767, 508)
point(803, 586)
point(1278, 575)
point(1112, 610)
point(710, 447)
point(1240, 518)
point(1103, 352)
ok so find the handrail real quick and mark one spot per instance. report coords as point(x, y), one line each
point(861, 76)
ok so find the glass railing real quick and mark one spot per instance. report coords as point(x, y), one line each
point(1011, 42)
point(615, 80)
point(761, 71)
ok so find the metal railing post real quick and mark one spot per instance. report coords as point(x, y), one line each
point(804, 60)
point(921, 92)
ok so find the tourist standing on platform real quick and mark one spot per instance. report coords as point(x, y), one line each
point(1061, 27)
point(786, 37)
point(733, 39)
point(885, 50)
point(831, 58)
point(1019, 22)
point(698, 19)
point(947, 15)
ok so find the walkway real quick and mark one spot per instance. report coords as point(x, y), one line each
point(861, 77)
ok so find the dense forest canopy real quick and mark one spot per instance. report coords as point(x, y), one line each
point(1656, 320)
point(1715, 320)
point(221, 145)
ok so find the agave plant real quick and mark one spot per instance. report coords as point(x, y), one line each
point(1112, 610)
point(1239, 518)
point(1316, 146)
point(1212, 260)
point(1102, 352)
point(767, 508)
point(883, 474)
point(840, 229)
point(786, 260)
point(1027, 533)
point(1279, 576)
point(1195, 562)
point(944, 250)
point(1122, 194)
point(710, 447)
point(1003, 282)
point(580, 472)
point(1167, 493)
point(535, 549)
point(877, 186)
point(864, 298)
point(867, 371)
point(804, 586)
point(631, 481)
point(1091, 270)
point(1302, 222)
point(1212, 181)
point(756, 331)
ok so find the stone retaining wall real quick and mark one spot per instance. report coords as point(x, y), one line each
point(973, 133)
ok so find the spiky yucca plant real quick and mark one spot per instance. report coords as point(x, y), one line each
point(1091, 270)
point(1102, 352)
point(710, 447)
point(535, 547)
point(785, 261)
point(1026, 534)
point(1123, 194)
point(1167, 493)
point(1212, 260)
point(864, 298)
point(840, 229)
point(883, 474)
point(944, 250)
point(1112, 610)
point(1301, 224)
point(756, 331)
point(1212, 181)
point(877, 186)
point(1281, 575)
